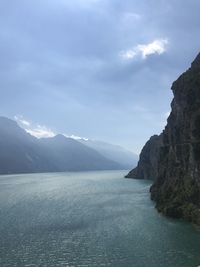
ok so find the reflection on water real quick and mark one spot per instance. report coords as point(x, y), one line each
point(89, 219)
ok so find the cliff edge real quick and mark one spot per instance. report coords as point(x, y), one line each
point(176, 168)
point(148, 162)
point(176, 190)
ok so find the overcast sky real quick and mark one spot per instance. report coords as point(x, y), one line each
point(100, 69)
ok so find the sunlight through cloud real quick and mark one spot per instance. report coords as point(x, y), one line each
point(158, 46)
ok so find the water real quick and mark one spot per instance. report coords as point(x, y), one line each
point(89, 219)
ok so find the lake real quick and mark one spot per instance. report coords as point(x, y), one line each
point(89, 219)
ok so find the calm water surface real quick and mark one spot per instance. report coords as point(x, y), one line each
point(88, 219)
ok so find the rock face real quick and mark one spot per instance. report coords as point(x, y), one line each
point(147, 167)
point(176, 188)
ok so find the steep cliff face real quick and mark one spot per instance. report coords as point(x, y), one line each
point(147, 167)
point(175, 163)
point(177, 186)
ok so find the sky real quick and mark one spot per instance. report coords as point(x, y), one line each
point(99, 69)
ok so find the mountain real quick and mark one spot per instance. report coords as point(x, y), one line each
point(176, 187)
point(147, 167)
point(19, 151)
point(22, 153)
point(71, 155)
point(113, 152)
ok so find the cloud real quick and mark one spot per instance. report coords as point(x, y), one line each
point(61, 67)
point(75, 137)
point(40, 131)
point(20, 120)
point(158, 46)
point(129, 54)
point(37, 130)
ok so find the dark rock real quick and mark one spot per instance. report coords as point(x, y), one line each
point(147, 167)
point(176, 190)
point(174, 161)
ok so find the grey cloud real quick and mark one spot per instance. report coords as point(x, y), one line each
point(60, 64)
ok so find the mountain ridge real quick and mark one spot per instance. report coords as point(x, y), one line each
point(23, 153)
point(114, 152)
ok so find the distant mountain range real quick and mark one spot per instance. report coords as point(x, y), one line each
point(114, 152)
point(21, 152)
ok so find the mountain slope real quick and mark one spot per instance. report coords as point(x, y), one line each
point(19, 151)
point(22, 153)
point(113, 152)
point(70, 155)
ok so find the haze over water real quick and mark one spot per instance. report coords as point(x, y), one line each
point(89, 219)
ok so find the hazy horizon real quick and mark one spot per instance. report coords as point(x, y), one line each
point(95, 69)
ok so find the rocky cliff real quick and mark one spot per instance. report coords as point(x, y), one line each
point(148, 162)
point(177, 186)
point(176, 189)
